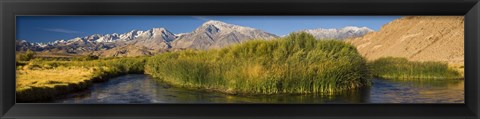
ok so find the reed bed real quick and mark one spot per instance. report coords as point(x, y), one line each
point(297, 63)
point(401, 68)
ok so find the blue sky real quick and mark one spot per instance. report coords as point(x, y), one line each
point(50, 28)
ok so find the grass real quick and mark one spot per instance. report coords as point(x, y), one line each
point(40, 84)
point(44, 79)
point(401, 68)
point(295, 64)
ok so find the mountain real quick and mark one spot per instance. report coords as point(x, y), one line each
point(343, 33)
point(125, 51)
point(23, 45)
point(217, 34)
point(152, 40)
point(211, 34)
point(417, 38)
point(139, 43)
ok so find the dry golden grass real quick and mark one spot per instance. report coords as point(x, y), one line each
point(52, 77)
point(254, 72)
point(45, 83)
point(44, 79)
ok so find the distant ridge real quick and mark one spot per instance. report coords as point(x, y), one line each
point(342, 33)
point(211, 34)
point(154, 39)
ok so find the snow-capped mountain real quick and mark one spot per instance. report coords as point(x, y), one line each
point(217, 34)
point(343, 33)
point(211, 34)
point(153, 39)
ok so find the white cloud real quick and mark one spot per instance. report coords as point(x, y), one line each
point(201, 18)
point(59, 30)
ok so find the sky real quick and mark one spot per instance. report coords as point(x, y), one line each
point(51, 28)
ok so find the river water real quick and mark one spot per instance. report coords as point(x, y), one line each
point(139, 88)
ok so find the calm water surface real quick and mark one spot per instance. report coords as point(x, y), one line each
point(139, 88)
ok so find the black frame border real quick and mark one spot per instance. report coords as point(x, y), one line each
point(11, 8)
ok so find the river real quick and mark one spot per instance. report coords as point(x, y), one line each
point(139, 88)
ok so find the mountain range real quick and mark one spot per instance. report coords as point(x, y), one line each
point(343, 33)
point(211, 34)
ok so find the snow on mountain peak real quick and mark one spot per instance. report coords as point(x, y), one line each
point(354, 28)
point(214, 26)
point(159, 29)
point(214, 22)
point(340, 33)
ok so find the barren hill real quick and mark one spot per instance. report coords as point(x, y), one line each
point(417, 38)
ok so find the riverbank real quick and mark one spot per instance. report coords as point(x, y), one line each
point(44, 80)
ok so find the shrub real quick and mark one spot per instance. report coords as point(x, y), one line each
point(27, 56)
point(87, 57)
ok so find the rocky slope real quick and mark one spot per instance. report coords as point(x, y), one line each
point(417, 38)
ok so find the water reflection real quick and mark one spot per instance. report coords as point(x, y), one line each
point(138, 88)
point(417, 91)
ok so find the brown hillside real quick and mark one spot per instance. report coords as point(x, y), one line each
point(125, 51)
point(417, 38)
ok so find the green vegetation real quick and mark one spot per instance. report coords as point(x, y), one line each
point(27, 56)
point(295, 64)
point(86, 58)
point(41, 79)
point(401, 68)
